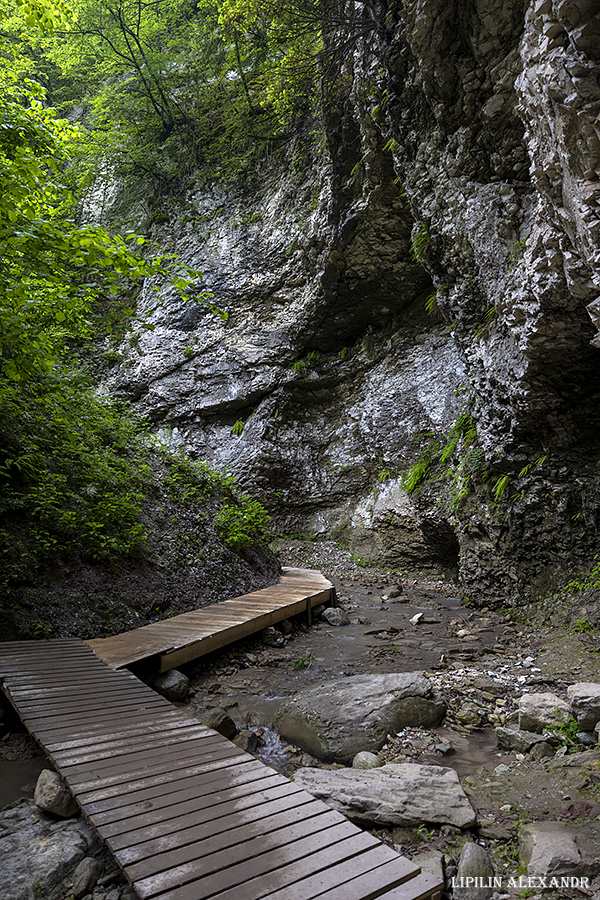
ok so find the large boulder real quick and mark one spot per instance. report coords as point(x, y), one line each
point(584, 699)
point(38, 854)
point(540, 711)
point(397, 794)
point(335, 721)
point(556, 849)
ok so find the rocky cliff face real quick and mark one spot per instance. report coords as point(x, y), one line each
point(469, 131)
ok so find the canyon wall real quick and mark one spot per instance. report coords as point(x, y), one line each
point(457, 170)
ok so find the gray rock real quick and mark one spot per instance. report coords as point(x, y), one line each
point(221, 722)
point(333, 720)
point(431, 861)
point(38, 853)
point(584, 700)
point(335, 615)
point(247, 740)
point(397, 794)
point(85, 877)
point(587, 738)
point(539, 711)
point(173, 685)
point(543, 750)
point(366, 760)
point(559, 849)
point(52, 795)
point(474, 863)
point(519, 740)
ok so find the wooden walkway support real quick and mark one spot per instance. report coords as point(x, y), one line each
point(191, 635)
point(187, 814)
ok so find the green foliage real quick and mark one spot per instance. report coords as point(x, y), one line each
point(303, 662)
point(567, 732)
point(419, 243)
point(240, 521)
point(516, 254)
point(586, 581)
point(583, 626)
point(431, 302)
point(41, 630)
point(238, 428)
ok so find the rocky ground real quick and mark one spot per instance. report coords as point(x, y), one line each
point(497, 680)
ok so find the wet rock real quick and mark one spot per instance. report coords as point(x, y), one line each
point(335, 615)
point(218, 720)
point(539, 711)
point(366, 760)
point(333, 720)
point(52, 795)
point(85, 877)
point(445, 748)
point(38, 853)
point(173, 685)
point(521, 741)
point(474, 864)
point(247, 740)
point(396, 794)
point(584, 700)
point(286, 627)
point(555, 849)
point(587, 738)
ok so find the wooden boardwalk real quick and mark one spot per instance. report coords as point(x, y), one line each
point(191, 635)
point(187, 814)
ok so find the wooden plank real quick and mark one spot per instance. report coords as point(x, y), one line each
point(241, 802)
point(217, 763)
point(157, 785)
point(230, 828)
point(423, 887)
point(170, 816)
point(172, 722)
point(230, 868)
point(112, 749)
point(148, 756)
point(265, 873)
point(277, 830)
point(164, 800)
point(363, 877)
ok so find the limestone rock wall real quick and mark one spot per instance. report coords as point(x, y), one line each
point(468, 129)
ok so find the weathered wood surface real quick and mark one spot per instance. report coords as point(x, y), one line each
point(185, 813)
point(186, 637)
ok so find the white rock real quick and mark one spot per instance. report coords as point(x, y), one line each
point(398, 794)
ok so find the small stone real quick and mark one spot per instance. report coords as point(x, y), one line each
point(173, 685)
point(366, 760)
point(52, 795)
point(218, 720)
point(334, 615)
point(247, 740)
point(445, 748)
point(586, 737)
point(85, 876)
point(286, 626)
point(543, 750)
